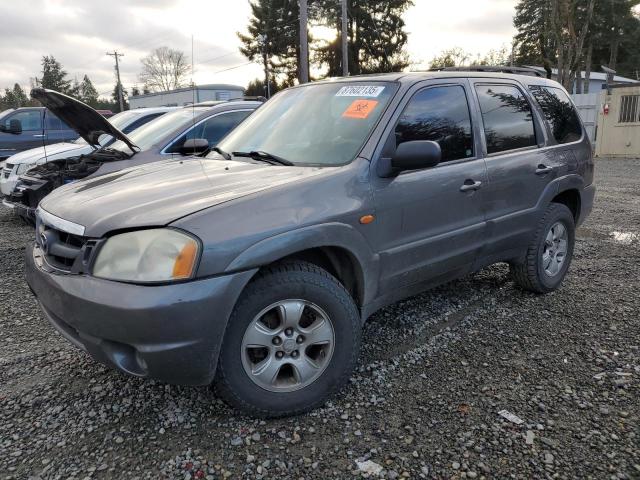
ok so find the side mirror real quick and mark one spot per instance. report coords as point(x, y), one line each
point(194, 146)
point(415, 155)
point(15, 126)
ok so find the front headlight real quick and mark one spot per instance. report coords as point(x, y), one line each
point(157, 255)
point(23, 167)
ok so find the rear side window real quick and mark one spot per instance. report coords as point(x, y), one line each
point(52, 122)
point(212, 129)
point(507, 118)
point(559, 112)
point(439, 114)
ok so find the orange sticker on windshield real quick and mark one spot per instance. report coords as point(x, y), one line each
point(360, 109)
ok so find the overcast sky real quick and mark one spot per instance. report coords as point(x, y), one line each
point(80, 32)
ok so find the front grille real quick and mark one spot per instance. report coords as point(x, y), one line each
point(61, 250)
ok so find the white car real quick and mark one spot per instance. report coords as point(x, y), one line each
point(19, 163)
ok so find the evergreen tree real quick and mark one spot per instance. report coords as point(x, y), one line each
point(115, 98)
point(87, 92)
point(256, 88)
point(534, 43)
point(376, 34)
point(53, 75)
point(14, 98)
point(274, 37)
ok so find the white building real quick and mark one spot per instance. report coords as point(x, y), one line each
point(597, 80)
point(187, 96)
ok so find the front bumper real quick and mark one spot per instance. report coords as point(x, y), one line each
point(171, 333)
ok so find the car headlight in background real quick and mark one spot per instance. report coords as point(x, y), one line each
point(23, 167)
point(156, 255)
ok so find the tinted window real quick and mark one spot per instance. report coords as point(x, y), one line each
point(212, 129)
point(507, 117)
point(559, 112)
point(439, 114)
point(30, 120)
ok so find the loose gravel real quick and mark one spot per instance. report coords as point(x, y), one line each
point(434, 372)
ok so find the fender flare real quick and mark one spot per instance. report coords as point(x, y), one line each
point(335, 234)
point(559, 185)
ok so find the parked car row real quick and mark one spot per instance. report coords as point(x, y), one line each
point(254, 264)
point(127, 122)
point(188, 130)
point(28, 127)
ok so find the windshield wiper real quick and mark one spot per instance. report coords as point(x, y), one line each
point(224, 154)
point(264, 157)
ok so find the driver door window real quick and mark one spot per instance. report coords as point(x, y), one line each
point(439, 114)
point(31, 120)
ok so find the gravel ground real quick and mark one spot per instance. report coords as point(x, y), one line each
point(435, 371)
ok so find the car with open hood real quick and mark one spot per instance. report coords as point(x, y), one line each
point(185, 131)
point(18, 164)
point(254, 267)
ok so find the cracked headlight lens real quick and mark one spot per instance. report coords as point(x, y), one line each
point(156, 255)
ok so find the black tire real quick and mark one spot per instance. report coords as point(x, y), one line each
point(289, 280)
point(530, 275)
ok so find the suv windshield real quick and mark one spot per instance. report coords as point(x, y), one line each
point(322, 125)
point(147, 135)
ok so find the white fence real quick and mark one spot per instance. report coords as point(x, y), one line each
point(588, 105)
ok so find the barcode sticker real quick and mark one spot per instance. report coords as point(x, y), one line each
point(360, 91)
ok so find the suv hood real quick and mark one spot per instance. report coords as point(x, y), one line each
point(81, 117)
point(160, 193)
point(50, 152)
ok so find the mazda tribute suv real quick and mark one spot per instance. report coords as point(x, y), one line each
point(254, 268)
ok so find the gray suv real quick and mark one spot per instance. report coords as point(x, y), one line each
point(254, 268)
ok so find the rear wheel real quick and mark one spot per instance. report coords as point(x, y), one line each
point(291, 342)
point(550, 252)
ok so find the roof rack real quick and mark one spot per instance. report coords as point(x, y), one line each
point(492, 69)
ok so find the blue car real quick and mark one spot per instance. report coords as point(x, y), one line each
point(29, 127)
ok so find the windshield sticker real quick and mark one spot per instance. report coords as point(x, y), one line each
point(360, 109)
point(360, 91)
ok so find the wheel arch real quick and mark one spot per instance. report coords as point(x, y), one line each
point(338, 248)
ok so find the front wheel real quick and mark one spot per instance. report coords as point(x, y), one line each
point(549, 254)
point(291, 342)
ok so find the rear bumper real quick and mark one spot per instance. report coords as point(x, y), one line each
point(171, 333)
point(586, 203)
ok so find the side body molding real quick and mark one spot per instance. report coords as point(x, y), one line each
point(315, 236)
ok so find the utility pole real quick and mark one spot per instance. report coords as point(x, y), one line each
point(304, 46)
point(115, 55)
point(345, 41)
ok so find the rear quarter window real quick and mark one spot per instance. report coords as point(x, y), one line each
point(559, 112)
point(507, 118)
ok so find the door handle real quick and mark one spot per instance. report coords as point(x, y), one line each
point(470, 185)
point(38, 136)
point(543, 169)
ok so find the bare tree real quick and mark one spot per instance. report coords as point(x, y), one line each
point(570, 36)
point(164, 69)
